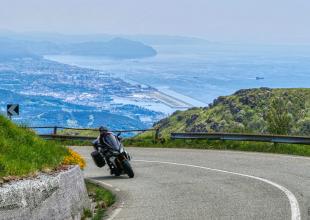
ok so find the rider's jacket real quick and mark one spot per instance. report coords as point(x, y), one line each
point(108, 140)
point(103, 139)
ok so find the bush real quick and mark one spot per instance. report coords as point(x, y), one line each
point(304, 126)
point(278, 118)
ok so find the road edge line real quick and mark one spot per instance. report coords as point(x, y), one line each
point(295, 210)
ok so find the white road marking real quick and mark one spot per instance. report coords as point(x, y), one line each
point(107, 184)
point(295, 211)
point(116, 211)
point(262, 154)
point(117, 190)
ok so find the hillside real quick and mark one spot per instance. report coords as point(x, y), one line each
point(244, 111)
point(22, 152)
point(11, 50)
point(115, 48)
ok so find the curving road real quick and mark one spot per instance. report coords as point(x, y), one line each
point(207, 184)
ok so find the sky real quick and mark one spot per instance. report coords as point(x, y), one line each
point(267, 21)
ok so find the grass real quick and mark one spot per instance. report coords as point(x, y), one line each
point(72, 132)
point(22, 152)
point(87, 213)
point(103, 198)
point(74, 142)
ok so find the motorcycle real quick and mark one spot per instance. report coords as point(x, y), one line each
point(113, 154)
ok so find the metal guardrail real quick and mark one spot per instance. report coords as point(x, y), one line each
point(55, 130)
point(189, 135)
point(243, 137)
point(66, 137)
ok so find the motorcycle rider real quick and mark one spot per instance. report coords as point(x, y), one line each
point(105, 138)
point(109, 147)
point(103, 133)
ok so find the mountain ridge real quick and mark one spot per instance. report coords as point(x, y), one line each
point(115, 48)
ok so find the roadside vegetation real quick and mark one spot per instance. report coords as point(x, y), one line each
point(101, 197)
point(23, 153)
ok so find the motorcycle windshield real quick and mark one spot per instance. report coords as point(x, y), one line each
point(113, 142)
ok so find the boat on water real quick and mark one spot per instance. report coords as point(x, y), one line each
point(259, 78)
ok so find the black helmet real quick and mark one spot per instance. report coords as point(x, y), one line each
point(103, 129)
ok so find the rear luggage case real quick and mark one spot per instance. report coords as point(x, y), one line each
point(98, 159)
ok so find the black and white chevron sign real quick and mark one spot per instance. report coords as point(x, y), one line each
point(12, 109)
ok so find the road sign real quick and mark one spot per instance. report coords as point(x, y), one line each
point(12, 109)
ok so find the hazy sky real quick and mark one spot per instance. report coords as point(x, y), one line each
point(222, 20)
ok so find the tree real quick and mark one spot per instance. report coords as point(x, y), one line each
point(278, 118)
point(304, 126)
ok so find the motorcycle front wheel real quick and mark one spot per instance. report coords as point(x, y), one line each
point(128, 169)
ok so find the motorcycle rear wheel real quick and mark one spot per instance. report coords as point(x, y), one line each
point(128, 169)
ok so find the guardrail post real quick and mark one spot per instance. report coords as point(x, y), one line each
point(55, 130)
point(156, 135)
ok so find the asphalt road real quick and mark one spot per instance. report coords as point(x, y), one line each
point(207, 184)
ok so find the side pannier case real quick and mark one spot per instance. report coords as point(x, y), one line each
point(98, 159)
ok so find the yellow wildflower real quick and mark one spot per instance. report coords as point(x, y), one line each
point(74, 159)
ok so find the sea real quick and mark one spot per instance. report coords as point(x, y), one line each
point(199, 73)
